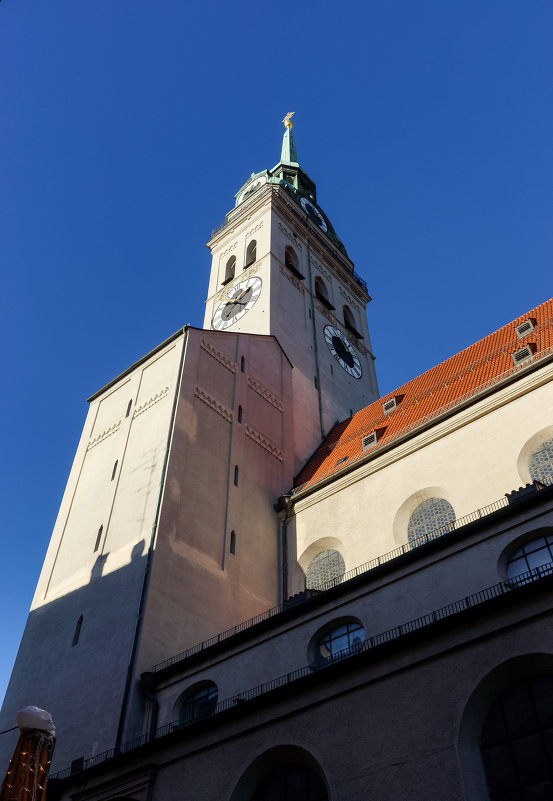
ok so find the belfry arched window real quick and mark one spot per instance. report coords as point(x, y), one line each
point(321, 293)
point(198, 702)
point(291, 261)
point(516, 743)
point(251, 253)
point(325, 570)
point(541, 462)
point(350, 324)
point(431, 518)
point(230, 269)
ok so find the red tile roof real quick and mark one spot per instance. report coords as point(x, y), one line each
point(439, 389)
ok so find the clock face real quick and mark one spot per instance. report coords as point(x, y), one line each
point(240, 300)
point(343, 352)
point(314, 213)
point(251, 187)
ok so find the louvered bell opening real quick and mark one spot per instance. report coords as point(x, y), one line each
point(524, 328)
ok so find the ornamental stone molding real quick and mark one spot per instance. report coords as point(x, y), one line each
point(263, 442)
point(216, 354)
point(103, 435)
point(254, 229)
point(265, 394)
point(324, 311)
point(229, 249)
point(349, 299)
point(317, 264)
point(213, 404)
point(150, 402)
point(291, 236)
point(287, 274)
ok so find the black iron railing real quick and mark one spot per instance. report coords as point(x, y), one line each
point(395, 633)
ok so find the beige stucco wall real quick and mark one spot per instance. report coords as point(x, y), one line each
point(471, 460)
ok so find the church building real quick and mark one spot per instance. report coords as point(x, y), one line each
point(267, 583)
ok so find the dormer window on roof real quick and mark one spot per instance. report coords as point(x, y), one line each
point(524, 328)
point(524, 354)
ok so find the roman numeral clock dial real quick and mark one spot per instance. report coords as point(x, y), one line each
point(343, 351)
point(239, 301)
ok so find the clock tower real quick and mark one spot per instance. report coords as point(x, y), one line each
point(279, 268)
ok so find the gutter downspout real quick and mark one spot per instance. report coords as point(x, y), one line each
point(315, 343)
point(147, 569)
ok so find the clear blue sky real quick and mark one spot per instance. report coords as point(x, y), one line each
point(126, 128)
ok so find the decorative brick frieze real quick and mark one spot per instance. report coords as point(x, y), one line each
point(291, 236)
point(217, 355)
point(150, 402)
point(265, 394)
point(348, 298)
point(213, 404)
point(229, 250)
point(287, 274)
point(252, 231)
point(104, 435)
point(264, 442)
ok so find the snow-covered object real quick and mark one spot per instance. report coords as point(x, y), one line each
point(34, 718)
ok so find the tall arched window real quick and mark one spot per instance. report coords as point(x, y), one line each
point(325, 570)
point(349, 322)
point(230, 269)
point(198, 702)
point(251, 253)
point(530, 557)
point(321, 293)
point(541, 462)
point(431, 518)
point(516, 743)
point(291, 261)
point(291, 783)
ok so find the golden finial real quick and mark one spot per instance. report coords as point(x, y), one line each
point(288, 119)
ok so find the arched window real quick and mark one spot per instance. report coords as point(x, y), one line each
point(325, 570)
point(345, 636)
point(530, 557)
point(291, 782)
point(230, 270)
point(198, 702)
point(251, 253)
point(516, 743)
point(431, 518)
point(541, 462)
point(321, 293)
point(349, 322)
point(291, 261)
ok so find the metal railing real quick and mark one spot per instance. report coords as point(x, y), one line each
point(362, 283)
point(390, 635)
point(366, 567)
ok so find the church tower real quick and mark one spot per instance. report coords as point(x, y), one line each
point(278, 268)
point(167, 533)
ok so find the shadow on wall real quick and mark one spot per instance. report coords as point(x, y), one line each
point(73, 661)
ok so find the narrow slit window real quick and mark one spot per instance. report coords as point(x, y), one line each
point(114, 471)
point(236, 471)
point(129, 407)
point(315, 382)
point(239, 414)
point(242, 364)
point(77, 634)
point(232, 542)
point(98, 538)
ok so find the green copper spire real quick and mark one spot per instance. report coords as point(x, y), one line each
point(289, 154)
